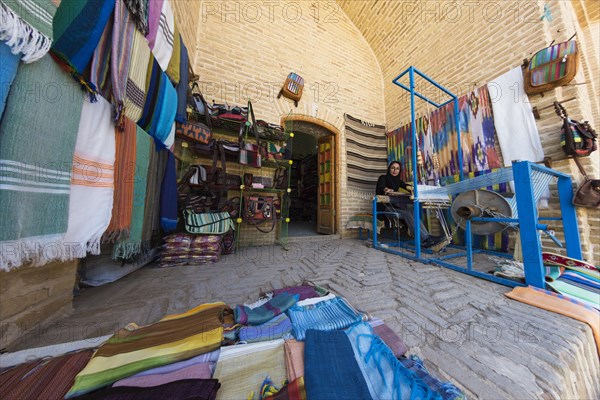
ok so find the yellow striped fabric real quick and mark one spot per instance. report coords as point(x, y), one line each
point(135, 91)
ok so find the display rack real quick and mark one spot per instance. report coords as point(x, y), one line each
point(249, 231)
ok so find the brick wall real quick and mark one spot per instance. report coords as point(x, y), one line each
point(246, 49)
point(186, 14)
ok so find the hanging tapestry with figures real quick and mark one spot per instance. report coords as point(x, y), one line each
point(438, 145)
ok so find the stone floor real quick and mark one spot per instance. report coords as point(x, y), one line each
point(464, 328)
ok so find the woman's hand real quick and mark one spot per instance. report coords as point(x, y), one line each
point(387, 190)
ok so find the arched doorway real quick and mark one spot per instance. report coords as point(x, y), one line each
point(314, 177)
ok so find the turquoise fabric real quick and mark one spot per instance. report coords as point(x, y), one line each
point(385, 376)
point(326, 316)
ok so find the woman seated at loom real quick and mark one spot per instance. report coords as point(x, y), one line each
point(389, 185)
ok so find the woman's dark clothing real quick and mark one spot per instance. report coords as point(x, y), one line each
point(396, 204)
point(389, 181)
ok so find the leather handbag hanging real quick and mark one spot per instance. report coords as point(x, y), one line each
point(280, 181)
point(262, 212)
point(588, 193)
point(577, 139)
point(250, 153)
point(551, 67)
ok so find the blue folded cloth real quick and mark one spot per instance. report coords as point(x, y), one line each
point(276, 328)
point(331, 371)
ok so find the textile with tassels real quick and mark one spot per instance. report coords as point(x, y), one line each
point(138, 9)
point(128, 248)
point(124, 183)
point(26, 27)
point(78, 26)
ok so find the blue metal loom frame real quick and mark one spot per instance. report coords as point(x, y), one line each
point(526, 205)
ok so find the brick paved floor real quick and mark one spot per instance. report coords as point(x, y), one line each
point(464, 328)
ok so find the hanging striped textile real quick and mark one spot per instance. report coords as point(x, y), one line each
point(125, 162)
point(135, 88)
point(37, 140)
point(26, 27)
point(129, 247)
point(92, 182)
point(162, 47)
point(122, 43)
point(78, 26)
point(100, 65)
point(366, 155)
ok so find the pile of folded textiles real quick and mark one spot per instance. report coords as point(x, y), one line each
point(182, 248)
point(293, 343)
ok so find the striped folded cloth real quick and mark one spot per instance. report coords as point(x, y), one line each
point(259, 315)
point(324, 316)
point(278, 327)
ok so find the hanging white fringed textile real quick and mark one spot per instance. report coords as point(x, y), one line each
point(92, 182)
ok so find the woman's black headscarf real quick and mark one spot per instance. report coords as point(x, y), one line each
point(390, 181)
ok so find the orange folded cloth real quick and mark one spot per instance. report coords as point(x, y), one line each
point(560, 304)
point(294, 359)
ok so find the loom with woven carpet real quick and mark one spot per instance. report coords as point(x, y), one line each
point(482, 212)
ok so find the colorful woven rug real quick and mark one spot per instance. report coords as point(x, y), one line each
point(365, 156)
point(37, 140)
point(135, 349)
point(438, 144)
point(26, 27)
point(92, 182)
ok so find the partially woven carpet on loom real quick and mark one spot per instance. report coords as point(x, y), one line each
point(366, 156)
point(37, 141)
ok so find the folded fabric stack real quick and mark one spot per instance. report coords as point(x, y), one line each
point(336, 355)
point(182, 248)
